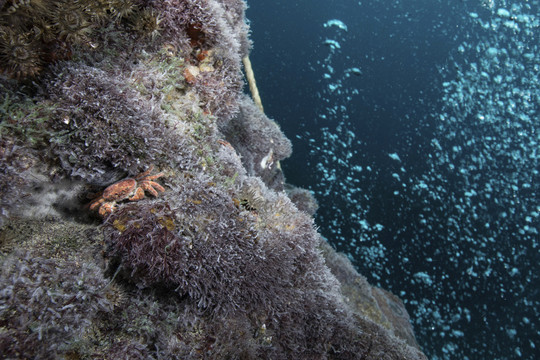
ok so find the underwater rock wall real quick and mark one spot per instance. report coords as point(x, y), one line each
point(193, 250)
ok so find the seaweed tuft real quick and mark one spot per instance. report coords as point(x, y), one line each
point(110, 127)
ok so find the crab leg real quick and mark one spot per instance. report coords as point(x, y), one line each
point(139, 194)
point(151, 187)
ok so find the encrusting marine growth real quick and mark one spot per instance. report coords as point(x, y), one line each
point(35, 33)
point(218, 262)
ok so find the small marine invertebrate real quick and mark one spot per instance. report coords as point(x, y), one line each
point(36, 33)
point(146, 22)
point(20, 54)
point(131, 189)
point(121, 8)
point(72, 24)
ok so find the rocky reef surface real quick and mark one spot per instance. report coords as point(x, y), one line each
point(144, 213)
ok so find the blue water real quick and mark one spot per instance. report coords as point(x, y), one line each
point(419, 125)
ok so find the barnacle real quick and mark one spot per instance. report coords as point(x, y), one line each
point(20, 54)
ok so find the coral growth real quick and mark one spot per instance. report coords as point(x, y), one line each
point(22, 134)
point(200, 248)
point(109, 126)
point(214, 37)
point(12, 181)
point(222, 264)
point(250, 252)
point(260, 143)
point(375, 304)
point(36, 33)
point(56, 303)
point(45, 303)
point(302, 198)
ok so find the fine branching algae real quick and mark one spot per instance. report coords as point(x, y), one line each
point(144, 212)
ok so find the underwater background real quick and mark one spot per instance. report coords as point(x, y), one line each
point(416, 125)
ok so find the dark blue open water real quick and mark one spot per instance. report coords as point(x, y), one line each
point(416, 123)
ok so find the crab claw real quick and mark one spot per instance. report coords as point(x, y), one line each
point(106, 209)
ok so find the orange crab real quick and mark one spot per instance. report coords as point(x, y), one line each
point(131, 189)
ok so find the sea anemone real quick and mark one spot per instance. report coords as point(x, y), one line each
point(20, 53)
point(146, 23)
point(71, 23)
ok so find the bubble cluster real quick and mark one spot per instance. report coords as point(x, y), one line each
point(446, 212)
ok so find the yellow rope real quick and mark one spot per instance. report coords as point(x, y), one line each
point(252, 84)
